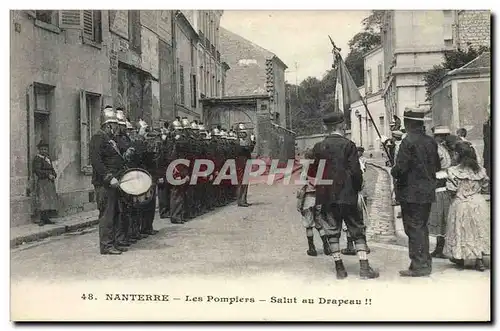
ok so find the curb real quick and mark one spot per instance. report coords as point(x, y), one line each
point(401, 237)
point(55, 231)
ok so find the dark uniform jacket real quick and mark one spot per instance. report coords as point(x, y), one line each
point(415, 170)
point(341, 166)
point(106, 161)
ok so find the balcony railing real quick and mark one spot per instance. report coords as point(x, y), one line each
point(202, 36)
point(213, 51)
point(207, 44)
point(218, 56)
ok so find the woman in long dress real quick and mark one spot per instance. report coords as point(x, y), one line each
point(45, 187)
point(468, 228)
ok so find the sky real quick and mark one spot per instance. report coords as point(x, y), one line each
point(298, 37)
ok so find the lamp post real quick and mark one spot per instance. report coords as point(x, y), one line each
point(358, 115)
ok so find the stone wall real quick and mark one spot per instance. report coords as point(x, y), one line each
point(474, 28)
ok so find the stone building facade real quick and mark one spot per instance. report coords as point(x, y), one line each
point(415, 40)
point(69, 64)
point(254, 71)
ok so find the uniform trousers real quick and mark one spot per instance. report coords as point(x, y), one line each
point(164, 199)
point(415, 221)
point(177, 202)
point(148, 214)
point(109, 215)
point(333, 214)
point(242, 193)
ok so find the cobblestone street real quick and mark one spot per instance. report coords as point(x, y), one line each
point(260, 251)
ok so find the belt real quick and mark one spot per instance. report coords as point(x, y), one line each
point(441, 189)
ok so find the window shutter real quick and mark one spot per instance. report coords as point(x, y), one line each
point(30, 106)
point(31, 13)
point(88, 24)
point(84, 138)
point(70, 19)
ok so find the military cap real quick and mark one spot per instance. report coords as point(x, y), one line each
point(333, 118)
point(42, 143)
point(415, 114)
point(441, 129)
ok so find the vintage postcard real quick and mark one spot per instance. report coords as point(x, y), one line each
point(223, 165)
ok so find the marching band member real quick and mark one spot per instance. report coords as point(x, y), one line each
point(45, 187)
point(107, 163)
point(178, 192)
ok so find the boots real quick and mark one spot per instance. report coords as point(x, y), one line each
point(340, 269)
point(438, 251)
point(350, 248)
point(365, 271)
point(480, 265)
point(326, 246)
point(312, 249)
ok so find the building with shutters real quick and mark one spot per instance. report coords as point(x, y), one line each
point(66, 65)
point(200, 72)
point(363, 132)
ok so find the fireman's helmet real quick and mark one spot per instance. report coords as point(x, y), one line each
point(108, 116)
point(120, 116)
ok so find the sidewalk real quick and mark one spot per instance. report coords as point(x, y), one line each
point(24, 234)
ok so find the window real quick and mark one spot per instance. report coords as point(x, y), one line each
point(194, 95)
point(368, 81)
point(90, 104)
point(134, 30)
point(92, 26)
point(448, 25)
point(47, 16)
point(380, 76)
point(181, 84)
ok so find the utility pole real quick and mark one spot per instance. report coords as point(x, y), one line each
point(297, 79)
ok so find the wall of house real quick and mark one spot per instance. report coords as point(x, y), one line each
point(280, 92)
point(473, 97)
point(474, 28)
point(303, 143)
point(442, 107)
point(47, 57)
point(184, 51)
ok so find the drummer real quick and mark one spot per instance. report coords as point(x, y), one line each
point(123, 231)
point(107, 163)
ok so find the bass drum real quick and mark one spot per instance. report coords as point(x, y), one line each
point(136, 186)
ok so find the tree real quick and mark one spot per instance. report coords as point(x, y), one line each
point(362, 43)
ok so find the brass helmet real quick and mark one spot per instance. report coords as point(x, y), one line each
point(185, 123)
point(129, 126)
point(208, 136)
point(201, 127)
point(223, 133)
point(142, 127)
point(241, 126)
point(194, 125)
point(177, 125)
point(231, 135)
point(216, 132)
point(108, 115)
point(120, 115)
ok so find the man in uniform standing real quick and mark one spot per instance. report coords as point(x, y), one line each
point(178, 192)
point(107, 163)
point(246, 146)
point(339, 198)
point(415, 175)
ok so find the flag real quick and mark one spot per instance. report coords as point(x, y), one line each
point(346, 91)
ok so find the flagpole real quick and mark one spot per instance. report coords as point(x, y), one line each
point(336, 52)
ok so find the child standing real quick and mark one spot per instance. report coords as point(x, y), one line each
point(468, 226)
point(306, 206)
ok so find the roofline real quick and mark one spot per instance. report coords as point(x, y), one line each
point(236, 99)
point(185, 21)
point(372, 51)
point(465, 69)
point(275, 57)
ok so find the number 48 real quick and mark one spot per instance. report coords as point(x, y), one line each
point(89, 296)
